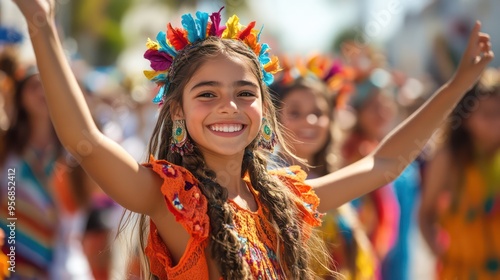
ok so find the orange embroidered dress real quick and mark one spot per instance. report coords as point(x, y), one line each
point(257, 236)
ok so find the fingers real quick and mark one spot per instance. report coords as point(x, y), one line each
point(483, 48)
point(479, 45)
point(474, 36)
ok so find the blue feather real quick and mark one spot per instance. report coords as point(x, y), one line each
point(264, 49)
point(264, 55)
point(260, 32)
point(268, 78)
point(190, 26)
point(202, 22)
point(159, 78)
point(164, 47)
point(159, 97)
point(264, 59)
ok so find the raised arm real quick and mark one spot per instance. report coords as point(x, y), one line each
point(131, 185)
point(405, 142)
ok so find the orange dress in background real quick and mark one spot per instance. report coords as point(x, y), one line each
point(472, 224)
point(257, 236)
point(4, 259)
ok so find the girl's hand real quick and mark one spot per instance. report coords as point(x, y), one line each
point(474, 60)
point(37, 12)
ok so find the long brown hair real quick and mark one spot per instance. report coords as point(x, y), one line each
point(276, 198)
point(324, 160)
point(459, 141)
point(16, 138)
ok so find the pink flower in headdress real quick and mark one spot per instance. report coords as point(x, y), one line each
point(160, 61)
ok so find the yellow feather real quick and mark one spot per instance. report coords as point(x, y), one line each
point(273, 66)
point(153, 45)
point(150, 74)
point(233, 27)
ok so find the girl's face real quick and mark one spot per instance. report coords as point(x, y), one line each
point(484, 123)
point(376, 116)
point(306, 116)
point(222, 106)
point(33, 98)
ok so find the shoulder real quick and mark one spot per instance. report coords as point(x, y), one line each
point(306, 199)
point(183, 196)
point(167, 170)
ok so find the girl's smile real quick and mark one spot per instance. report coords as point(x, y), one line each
point(227, 129)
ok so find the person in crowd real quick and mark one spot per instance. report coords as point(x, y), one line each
point(460, 209)
point(306, 96)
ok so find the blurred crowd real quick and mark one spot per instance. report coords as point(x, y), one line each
point(438, 219)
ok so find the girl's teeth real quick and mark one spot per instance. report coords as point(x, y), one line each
point(227, 128)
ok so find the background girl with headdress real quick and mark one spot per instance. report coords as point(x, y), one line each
point(307, 92)
point(379, 211)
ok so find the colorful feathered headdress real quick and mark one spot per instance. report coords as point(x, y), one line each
point(162, 52)
point(337, 76)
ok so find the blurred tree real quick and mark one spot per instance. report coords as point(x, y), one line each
point(96, 26)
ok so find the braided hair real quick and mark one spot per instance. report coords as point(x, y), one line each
point(279, 203)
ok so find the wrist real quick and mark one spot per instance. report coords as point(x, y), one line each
point(456, 86)
point(39, 26)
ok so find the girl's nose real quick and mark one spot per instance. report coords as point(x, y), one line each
point(228, 106)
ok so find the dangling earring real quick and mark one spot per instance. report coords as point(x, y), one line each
point(267, 138)
point(180, 142)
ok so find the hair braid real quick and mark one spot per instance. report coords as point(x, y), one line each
point(282, 210)
point(224, 246)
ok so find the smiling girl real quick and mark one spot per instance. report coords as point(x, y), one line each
point(213, 208)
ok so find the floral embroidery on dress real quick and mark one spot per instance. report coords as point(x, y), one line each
point(177, 203)
point(256, 235)
point(188, 186)
point(188, 205)
point(274, 260)
point(169, 171)
point(289, 171)
point(243, 244)
point(308, 206)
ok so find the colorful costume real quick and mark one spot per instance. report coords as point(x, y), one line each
point(472, 223)
point(351, 251)
point(4, 259)
point(379, 210)
point(257, 236)
point(37, 220)
point(398, 262)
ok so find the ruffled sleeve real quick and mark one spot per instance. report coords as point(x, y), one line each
point(307, 200)
point(189, 207)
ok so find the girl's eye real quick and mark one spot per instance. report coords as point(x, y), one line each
point(318, 113)
point(294, 114)
point(206, 94)
point(247, 94)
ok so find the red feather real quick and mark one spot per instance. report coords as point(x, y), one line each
point(245, 32)
point(176, 37)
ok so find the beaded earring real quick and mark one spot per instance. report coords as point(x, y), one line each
point(267, 137)
point(180, 143)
